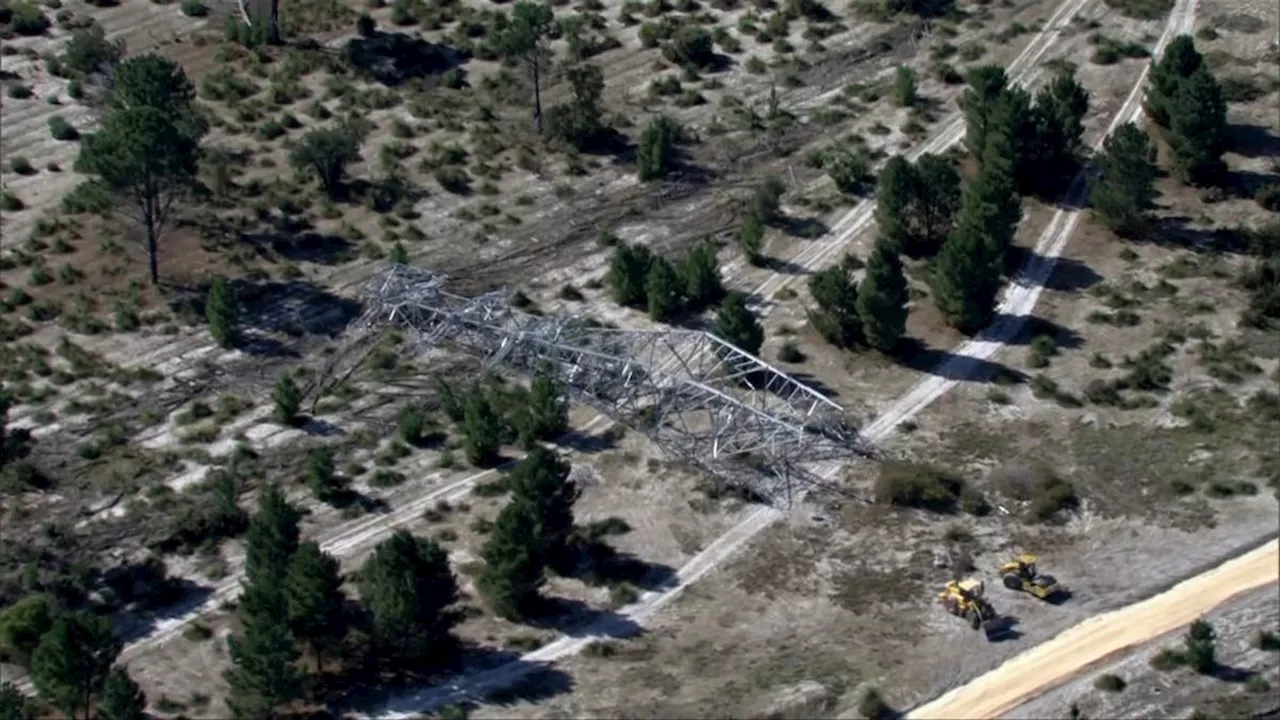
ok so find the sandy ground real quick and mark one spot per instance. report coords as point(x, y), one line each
point(1150, 693)
point(1057, 660)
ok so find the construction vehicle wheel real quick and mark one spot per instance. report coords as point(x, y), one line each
point(975, 619)
point(1013, 582)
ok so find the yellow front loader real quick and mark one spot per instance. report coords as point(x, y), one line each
point(1021, 574)
point(964, 598)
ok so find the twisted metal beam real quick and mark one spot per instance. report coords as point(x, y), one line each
point(703, 400)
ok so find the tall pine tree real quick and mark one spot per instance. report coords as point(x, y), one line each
point(937, 202)
point(1125, 189)
point(270, 542)
point(514, 567)
point(1198, 132)
point(737, 325)
point(315, 603)
point(410, 593)
point(986, 84)
point(1058, 119)
point(546, 412)
point(836, 315)
point(481, 429)
point(966, 277)
point(122, 699)
point(263, 674)
point(896, 195)
point(72, 661)
point(1179, 62)
point(664, 290)
point(882, 299)
point(541, 479)
point(628, 272)
point(700, 272)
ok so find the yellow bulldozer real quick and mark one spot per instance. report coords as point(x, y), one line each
point(964, 598)
point(1021, 574)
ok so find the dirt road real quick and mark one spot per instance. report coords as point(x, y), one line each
point(1057, 660)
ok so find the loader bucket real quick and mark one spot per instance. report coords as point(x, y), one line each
point(996, 628)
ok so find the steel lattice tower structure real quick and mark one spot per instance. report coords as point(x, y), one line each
point(704, 401)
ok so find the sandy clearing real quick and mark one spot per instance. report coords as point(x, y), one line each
point(1056, 661)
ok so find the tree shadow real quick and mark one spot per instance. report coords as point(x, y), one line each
point(1254, 141)
point(346, 498)
point(1033, 327)
point(319, 248)
point(293, 307)
point(476, 674)
point(1227, 673)
point(394, 58)
point(254, 343)
point(587, 442)
point(320, 428)
point(186, 600)
point(813, 384)
point(1178, 232)
point(1066, 274)
point(800, 227)
point(914, 354)
point(782, 266)
point(1246, 183)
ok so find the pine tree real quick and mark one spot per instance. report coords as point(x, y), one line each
point(990, 204)
point(315, 603)
point(72, 661)
point(657, 151)
point(628, 273)
point(1058, 119)
point(1180, 61)
point(882, 299)
point(836, 317)
point(398, 256)
point(270, 542)
point(1201, 653)
point(263, 675)
point(221, 312)
point(122, 699)
point(13, 705)
point(663, 290)
point(896, 192)
point(481, 429)
point(322, 476)
point(966, 277)
point(1198, 129)
point(904, 86)
point(737, 325)
point(1011, 126)
point(410, 592)
point(701, 274)
point(986, 84)
point(937, 200)
point(288, 399)
point(546, 412)
point(514, 569)
point(751, 237)
point(541, 479)
point(1125, 188)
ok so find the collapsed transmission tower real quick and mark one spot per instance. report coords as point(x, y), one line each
point(701, 399)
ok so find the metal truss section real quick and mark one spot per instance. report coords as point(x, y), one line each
point(700, 398)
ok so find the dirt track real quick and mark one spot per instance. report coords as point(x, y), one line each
point(1053, 662)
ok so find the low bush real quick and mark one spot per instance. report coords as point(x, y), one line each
point(1110, 683)
point(1035, 484)
point(918, 485)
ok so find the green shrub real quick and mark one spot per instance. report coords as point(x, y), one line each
point(62, 130)
point(1167, 660)
point(1268, 196)
point(27, 18)
point(1110, 683)
point(18, 91)
point(872, 705)
point(22, 166)
point(918, 485)
point(194, 8)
